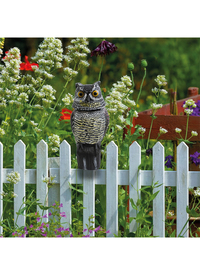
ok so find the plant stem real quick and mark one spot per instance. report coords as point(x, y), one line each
point(101, 69)
point(152, 119)
point(141, 86)
point(186, 131)
point(56, 104)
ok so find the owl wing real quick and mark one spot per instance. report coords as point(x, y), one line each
point(107, 121)
point(72, 120)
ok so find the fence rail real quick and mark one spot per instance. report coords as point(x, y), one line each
point(60, 167)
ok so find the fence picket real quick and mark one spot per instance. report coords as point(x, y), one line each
point(42, 173)
point(88, 198)
point(182, 196)
point(134, 181)
point(65, 180)
point(19, 188)
point(112, 189)
point(1, 185)
point(159, 201)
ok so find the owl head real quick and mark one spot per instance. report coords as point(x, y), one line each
point(88, 97)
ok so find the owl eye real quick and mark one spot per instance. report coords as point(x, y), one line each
point(95, 93)
point(80, 94)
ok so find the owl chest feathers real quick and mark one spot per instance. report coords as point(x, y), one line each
point(89, 126)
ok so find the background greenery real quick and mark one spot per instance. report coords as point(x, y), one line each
point(177, 58)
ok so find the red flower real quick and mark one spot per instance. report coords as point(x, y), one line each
point(27, 66)
point(66, 114)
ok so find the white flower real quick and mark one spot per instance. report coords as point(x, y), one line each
point(135, 113)
point(197, 192)
point(2, 132)
point(142, 130)
point(188, 111)
point(178, 130)
point(194, 133)
point(190, 103)
point(13, 177)
point(161, 80)
point(155, 90)
point(155, 106)
point(162, 130)
point(163, 91)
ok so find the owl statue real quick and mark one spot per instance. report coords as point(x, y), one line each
point(89, 123)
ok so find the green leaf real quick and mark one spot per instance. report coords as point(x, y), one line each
point(42, 207)
point(152, 197)
point(73, 188)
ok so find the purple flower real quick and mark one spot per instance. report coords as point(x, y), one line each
point(149, 152)
point(108, 231)
point(97, 228)
point(31, 226)
point(50, 214)
point(44, 235)
point(195, 158)
point(85, 230)
point(61, 205)
point(71, 235)
point(45, 216)
point(54, 204)
point(38, 219)
point(62, 214)
point(67, 229)
point(168, 161)
point(60, 229)
point(104, 48)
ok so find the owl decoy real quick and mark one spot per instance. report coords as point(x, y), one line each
point(89, 123)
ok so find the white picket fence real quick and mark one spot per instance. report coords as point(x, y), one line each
point(60, 167)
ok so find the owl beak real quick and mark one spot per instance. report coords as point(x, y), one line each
point(88, 99)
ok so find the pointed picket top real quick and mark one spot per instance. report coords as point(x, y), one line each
point(20, 143)
point(42, 144)
point(65, 143)
point(158, 146)
point(182, 147)
point(112, 145)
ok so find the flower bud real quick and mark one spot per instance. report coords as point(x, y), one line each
point(130, 66)
point(144, 63)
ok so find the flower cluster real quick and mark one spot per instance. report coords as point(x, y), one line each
point(13, 177)
point(48, 56)
point(54, 143)
point(188, 106)
point(104, 48)
point(117, 102)
point(77, 53)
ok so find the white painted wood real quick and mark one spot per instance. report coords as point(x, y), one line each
point(123, 177)
point(89, 199)
point(112, 189)
point(1, 185)
point(134, 181)
point(19, 188)
point(159, 201)
point(65, 180)
point(182, 196)
point(42, 173)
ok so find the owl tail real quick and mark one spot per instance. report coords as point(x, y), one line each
point(89, 156)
